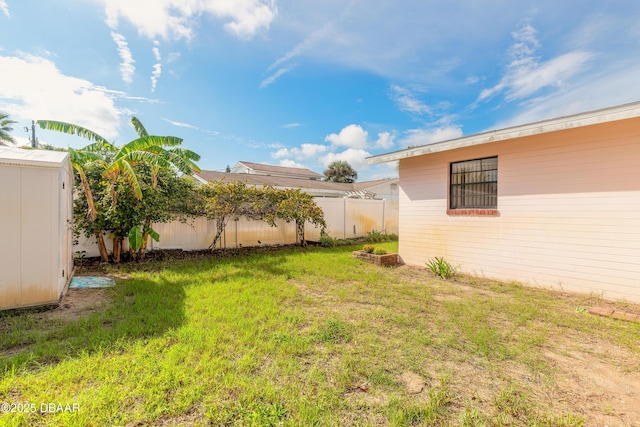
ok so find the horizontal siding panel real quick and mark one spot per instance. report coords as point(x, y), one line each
point(569, 207)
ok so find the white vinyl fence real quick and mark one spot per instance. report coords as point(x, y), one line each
point(345, 218)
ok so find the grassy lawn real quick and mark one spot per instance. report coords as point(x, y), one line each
point(311, 337)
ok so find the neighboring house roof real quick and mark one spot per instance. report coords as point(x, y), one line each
point(28, 157)
point(329, 189)
point(606, 115)
point(262, 169)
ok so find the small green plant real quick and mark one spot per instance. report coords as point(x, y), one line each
point(375, 236)
point(327, 241)
point(335, 331)
point(380, 251)
point(368, 249)
point(442, 268)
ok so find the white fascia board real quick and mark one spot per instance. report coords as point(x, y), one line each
point(606, 115)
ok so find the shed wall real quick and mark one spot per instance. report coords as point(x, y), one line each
point(36, 235)
point(569, 211)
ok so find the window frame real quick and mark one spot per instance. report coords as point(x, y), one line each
point(473, 210)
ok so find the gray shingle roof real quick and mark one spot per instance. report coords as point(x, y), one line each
point(260, 167)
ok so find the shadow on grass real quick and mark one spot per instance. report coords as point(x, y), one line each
point(137, 309)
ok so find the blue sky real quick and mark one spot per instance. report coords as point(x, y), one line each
point(303, 83)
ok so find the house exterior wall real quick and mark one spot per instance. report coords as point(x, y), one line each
point(37, 238)
point(568, 211)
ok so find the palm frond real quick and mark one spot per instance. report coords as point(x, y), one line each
point(124, 168)
point(183, 160)
point(72, 129)
point(139, 127)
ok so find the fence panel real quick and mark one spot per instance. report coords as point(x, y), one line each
point(345, 218)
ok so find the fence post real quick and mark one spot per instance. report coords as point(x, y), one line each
point(384, 208)
point(344, 220)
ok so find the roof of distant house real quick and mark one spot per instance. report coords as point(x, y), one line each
point(286, 182)
point(264, 169)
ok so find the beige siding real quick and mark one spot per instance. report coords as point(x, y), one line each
point(569, 205)
point(34, 224)
point(11, 249)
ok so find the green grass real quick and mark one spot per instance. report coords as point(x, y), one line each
point(299, 338)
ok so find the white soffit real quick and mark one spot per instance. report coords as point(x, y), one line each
point(606, 115)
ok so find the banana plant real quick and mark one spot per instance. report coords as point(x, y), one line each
point(120, 162)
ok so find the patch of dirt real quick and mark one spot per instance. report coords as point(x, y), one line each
point(413, 382)
point(583, 374)
point(609, 395)
point(78, 303)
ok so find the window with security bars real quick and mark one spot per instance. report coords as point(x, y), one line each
point(474, 184)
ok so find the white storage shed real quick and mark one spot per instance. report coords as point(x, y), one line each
point(36, 214)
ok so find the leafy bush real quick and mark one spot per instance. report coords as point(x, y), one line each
point(380, 251)
point(442, 268)
point(368, 249)
point(375, 236)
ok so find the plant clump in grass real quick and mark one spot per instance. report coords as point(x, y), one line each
point(442, 268)
point(335, 331)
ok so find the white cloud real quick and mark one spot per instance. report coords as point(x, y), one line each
point(471, 80)
point(306, 151)
point(157, 67)
point(385, 140)
point(354, 156)
point(275, 76)
point(291, 125)
point(173, 57)
point(594, 91)
point(525, 75)
point(415, 137)
point(33, 87)
point(406, 98)
point(127, 69)
point(174, 19)
point(325, 32)
point(4, 8)
point(180, 124)
point(352, 136)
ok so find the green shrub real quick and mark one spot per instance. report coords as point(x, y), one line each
point(380, 251)
point(327, 241)
point(368, 249)
point(442, 268)
point(375, 236)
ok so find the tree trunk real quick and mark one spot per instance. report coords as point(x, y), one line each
point(102, 247)
point(300, 233)
point(117, 249)
point(220, 225)
point(145, 238)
